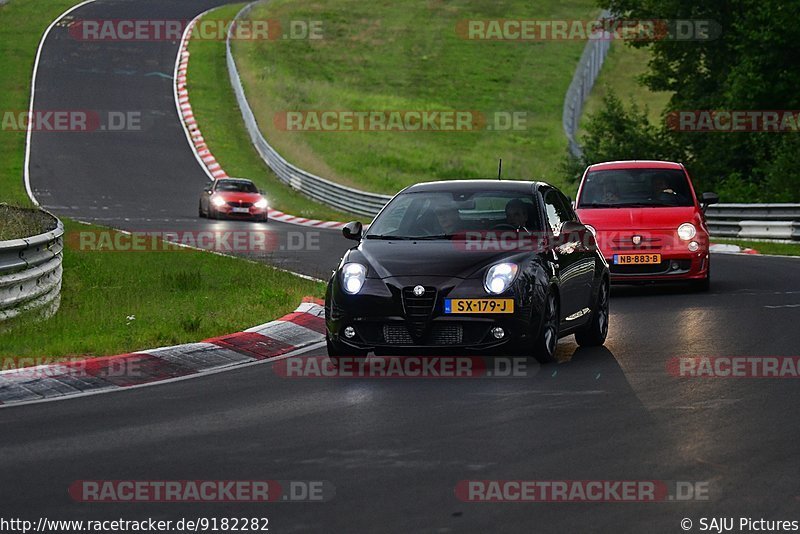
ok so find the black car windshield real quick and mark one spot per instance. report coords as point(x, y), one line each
point(236, 186)
point(628, 188)
point(451, 214)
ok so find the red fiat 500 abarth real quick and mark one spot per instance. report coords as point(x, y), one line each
point(648, 220)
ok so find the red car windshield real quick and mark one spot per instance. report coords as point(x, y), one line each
point(236, 187)
point(627, 188)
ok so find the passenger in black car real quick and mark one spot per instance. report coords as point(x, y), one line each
point(448, 218)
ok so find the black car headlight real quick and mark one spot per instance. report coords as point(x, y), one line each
point(499, 277)
point(353, 276)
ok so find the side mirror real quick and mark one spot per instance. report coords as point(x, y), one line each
point(709, 198)
point(352, 230)
point(572, 227)
point(261, 191)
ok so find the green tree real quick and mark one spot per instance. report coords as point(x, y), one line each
point(617, 133)
point(750, 65)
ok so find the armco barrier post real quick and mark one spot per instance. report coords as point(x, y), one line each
point(30, 273)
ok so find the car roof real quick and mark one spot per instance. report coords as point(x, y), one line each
point(476, 185)
point(635, 164)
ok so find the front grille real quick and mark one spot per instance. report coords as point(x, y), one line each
point(665, 267)
point(418, 310)
point(440, 334)
point(240, 204)
point(625, 243)
point(447, 334)
point(397, 334)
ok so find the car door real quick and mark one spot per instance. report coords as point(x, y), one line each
point(583, 249)
point(569, 259)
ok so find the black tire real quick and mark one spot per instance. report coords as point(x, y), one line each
point(336, 354)
point(200, 210)
point(594, 334)
point(544, 346)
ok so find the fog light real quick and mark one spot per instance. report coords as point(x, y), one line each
point(349, 332)
point(674, 266)
point(693, 246)
point(498, 332)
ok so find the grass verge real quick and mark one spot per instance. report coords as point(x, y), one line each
point(763, 247)
point(172, 297)
point(393, 56)
point(22, 23)
point(217, 113)
point(620, 74)
point(120, 301)
point(16, 223)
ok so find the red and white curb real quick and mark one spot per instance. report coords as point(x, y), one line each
point(292, 334)
point(198, 144)
point(725, 248)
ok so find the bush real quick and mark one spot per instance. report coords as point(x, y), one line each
point(617, 133)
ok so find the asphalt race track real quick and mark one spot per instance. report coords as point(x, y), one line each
point(145, 178)
point(394, 449)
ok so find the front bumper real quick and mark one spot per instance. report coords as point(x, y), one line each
point(673, 266)
point(253, 212)
point(385, 321)
point(678, 263)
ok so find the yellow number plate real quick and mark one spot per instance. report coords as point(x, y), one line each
point(636, 259)
point(478, 305)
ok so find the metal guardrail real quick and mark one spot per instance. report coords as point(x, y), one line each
point(755, 221)
point(30, 273)
point(594, 54)
point(336, 195)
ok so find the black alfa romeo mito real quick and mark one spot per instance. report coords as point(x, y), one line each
point(485, 266)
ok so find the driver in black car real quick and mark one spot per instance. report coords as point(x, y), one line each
point(517, 213)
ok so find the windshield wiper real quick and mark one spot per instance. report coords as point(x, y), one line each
point(598, 205)
point(431, 237)
point(387, 237)
point(409, 237)
point(648, 205)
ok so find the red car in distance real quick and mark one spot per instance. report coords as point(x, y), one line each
point(648, 221)
point(234, 198)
